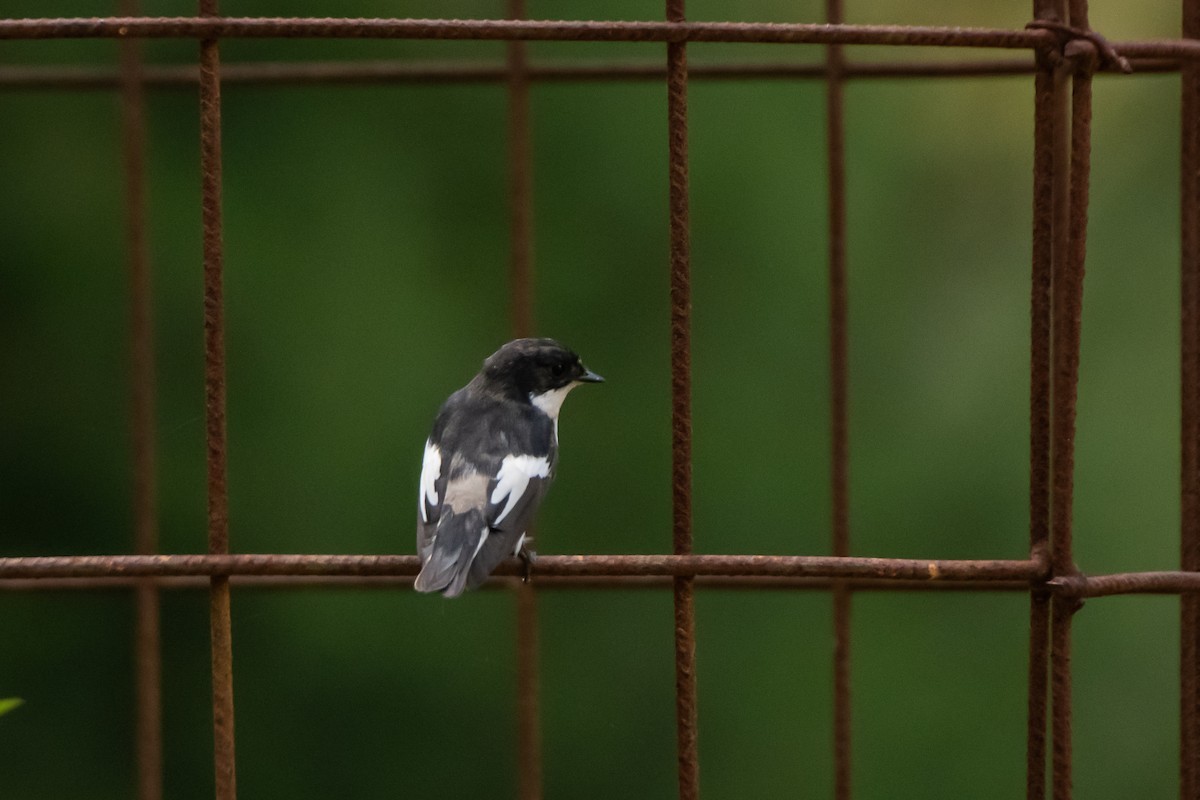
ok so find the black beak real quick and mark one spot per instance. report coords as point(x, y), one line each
point(589, 377)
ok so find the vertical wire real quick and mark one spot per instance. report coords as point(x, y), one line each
point(529, 735)
point(681, 412)
point(1060, 538)
point(1068, 303)
point(147, 631)
point(1062, 614)
point(1044, 172)
point(214, 390)
point(1035, 739)
point(1073, 147)
point(838, 357)
point(1189, 666)
point(520, 181)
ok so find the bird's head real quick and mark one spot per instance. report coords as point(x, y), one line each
point(535, 369)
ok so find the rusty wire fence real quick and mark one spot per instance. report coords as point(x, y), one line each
point(1061, 54)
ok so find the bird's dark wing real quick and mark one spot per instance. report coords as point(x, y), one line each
point(493, 463)
point(514, 495)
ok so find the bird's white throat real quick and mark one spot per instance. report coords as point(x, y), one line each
point(551, 402)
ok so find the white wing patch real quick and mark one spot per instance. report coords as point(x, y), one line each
point(431, 470)
point(513, 479)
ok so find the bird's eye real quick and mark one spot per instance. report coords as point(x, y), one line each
point(558, 368)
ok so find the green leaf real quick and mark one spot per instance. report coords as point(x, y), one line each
point(8, 704)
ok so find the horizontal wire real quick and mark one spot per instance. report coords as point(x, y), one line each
point(133, 566)
point(503, 29)
point(733, 583)
point(186, 76)
point(583, 572)
point(565, 30)
point(1166, 582)
point(397, 571)
point(393, 71)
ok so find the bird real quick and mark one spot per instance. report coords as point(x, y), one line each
point(489, 461)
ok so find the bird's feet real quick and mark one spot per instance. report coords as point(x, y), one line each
point(527, 555)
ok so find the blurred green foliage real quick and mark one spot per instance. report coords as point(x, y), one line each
point(366, 278)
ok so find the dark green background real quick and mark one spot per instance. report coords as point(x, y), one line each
point(366, 278)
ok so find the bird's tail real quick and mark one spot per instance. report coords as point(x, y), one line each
point(459, 540)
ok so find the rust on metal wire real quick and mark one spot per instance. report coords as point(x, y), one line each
point(142, 373)
point(520, 178)
point(1062, 613)
point(671, 30)
point(1035, 734)
point(147, 656)
point(1040, 408)
point(214, 310)
point(45, 577)
point(132, 566)
point(1166, 582)
point(687, 736)
point(1072, 148)
point(545, 582)
point(1182, 49)
point(1072, 165)
point(1109, 57)
point(529, 726)
point(1067, 54)
point(1189, 427)
point(215, 27)
point(214, 389)
point(835, 151)
point(148, 690)
point(435, 73)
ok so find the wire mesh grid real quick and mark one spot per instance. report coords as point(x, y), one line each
point(1066, 54)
